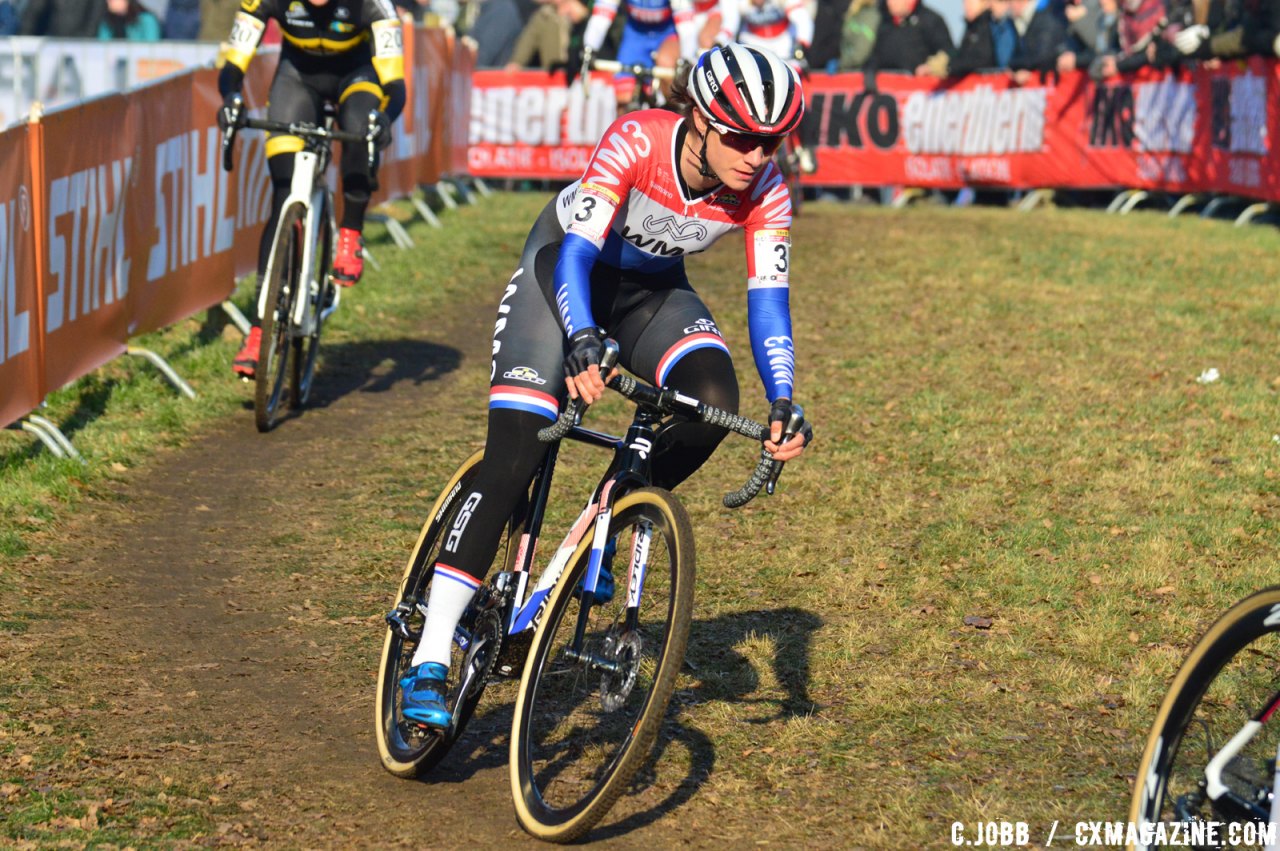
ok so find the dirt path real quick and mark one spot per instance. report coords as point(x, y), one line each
point(199, 659)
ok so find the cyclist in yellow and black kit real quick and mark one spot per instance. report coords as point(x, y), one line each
point(346, 52)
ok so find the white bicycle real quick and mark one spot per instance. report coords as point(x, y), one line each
point(297, 294)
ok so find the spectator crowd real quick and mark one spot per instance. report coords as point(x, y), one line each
point(135, 20)
point(1021, 38)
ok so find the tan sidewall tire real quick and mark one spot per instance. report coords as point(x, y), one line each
point(395, 766)
point(655, 711)
point(1245, 609)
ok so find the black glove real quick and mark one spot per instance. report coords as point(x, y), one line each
point(231, 115)
point(586, 347)
point(781, 412)
point(380, 126)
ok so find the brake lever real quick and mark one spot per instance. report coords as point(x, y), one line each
point(229, 137)
point(370, 138)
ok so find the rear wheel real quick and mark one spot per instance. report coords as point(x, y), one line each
point(307, 346)
point(589, 711)
point(409, 749)
point(283, 284)
point(1220, 705)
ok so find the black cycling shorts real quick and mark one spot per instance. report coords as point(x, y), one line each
point(657, 320)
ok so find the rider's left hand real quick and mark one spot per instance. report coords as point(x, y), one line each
point(796, 444)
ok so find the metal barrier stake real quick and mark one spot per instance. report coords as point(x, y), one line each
point(425, 210)
point(56, 434)
point(445, 192)
point(481, 186)
point(1251, 212)
point(398, 234)
point(45, 437)
point(160, 364)
point(1183, 203)
point(237, 318)
point(1138, 196)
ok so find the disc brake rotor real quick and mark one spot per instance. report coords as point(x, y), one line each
point(624, 651)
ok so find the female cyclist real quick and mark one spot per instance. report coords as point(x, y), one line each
point(606, 258)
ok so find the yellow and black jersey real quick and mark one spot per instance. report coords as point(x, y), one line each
point(347, 30)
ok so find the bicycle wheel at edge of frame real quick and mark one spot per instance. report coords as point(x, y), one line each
point(408, 763)
point(570, 823)
point(306, 347)
point(276, 345)
point(1238, 627)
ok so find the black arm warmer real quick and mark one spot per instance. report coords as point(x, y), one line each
point(231, 78)
point(395, 93)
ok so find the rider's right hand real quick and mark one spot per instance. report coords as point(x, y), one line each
point(231, 114)
point(582, 365)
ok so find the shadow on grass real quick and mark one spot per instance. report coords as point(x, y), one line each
point(376, 366)
point(721, 673)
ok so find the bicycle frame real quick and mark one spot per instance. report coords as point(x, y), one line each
point(525, 607)
point(309, 189)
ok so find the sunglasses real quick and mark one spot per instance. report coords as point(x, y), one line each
point(745, 143)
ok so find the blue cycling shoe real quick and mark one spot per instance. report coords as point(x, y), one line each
point(423, 689)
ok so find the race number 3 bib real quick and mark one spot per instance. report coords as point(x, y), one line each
point(593, 212)
point(772, 254)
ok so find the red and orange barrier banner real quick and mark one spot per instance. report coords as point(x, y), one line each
point(88, 156)
point(183, 206)
point(116, 217)
point(1212, 131)
point(21, 374)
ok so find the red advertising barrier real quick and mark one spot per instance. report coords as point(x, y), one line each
point(182, 206)
point(530, 124)
point(463, 66)
point(1201, 130)
point(1178, 132)
point(88, 157)
point(21, 386)
point(116, 217)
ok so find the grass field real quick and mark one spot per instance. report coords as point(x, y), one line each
point(963, 604)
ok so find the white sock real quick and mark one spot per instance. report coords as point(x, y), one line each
point(451, 590)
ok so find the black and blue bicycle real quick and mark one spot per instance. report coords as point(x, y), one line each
point(597, 665)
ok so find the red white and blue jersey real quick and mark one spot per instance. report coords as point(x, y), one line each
point(630, 210)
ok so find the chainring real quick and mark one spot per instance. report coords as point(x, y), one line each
point(486, 643)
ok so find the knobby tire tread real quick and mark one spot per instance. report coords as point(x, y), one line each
point(650, 721)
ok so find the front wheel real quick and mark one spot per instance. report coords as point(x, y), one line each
point(599, 676)
point(284, 282)
point(1211, 754)
point(306, 346)
point(409, 749)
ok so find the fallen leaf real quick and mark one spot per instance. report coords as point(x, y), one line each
point(978, 621)
point(118, 467)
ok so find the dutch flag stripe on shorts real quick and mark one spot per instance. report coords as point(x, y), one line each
point(688, 344)
point(523, 399)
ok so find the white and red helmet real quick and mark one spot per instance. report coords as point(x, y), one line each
point(745, 90)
